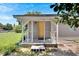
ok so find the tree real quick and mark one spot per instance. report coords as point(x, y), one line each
point(68, 12)
point(8, 26)
point(33, 13)
point(1, 25)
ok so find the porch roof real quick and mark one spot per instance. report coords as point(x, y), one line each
point(35, 15)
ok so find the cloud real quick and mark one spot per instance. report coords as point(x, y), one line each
point(7, 19)
point(5, 8)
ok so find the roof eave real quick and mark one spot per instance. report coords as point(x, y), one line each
point(36, 15)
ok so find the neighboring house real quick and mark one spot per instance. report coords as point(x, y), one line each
point(41, 29)
point(1, 29)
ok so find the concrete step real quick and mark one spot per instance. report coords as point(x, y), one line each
point(37, 47)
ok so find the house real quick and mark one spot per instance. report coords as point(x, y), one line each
point(1, 29)
point(42, 29)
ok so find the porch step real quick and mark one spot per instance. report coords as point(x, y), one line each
point(37, 47)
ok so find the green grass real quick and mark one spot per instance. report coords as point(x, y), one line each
point(8, 40)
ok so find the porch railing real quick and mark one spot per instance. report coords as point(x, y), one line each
point(27, 38)
point(53, 36)
point(25, 35)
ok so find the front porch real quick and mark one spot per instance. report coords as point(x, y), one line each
point(33, 34)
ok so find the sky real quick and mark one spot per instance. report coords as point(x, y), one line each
point(7, 10)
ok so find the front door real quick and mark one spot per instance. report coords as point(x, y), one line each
point(41, 30)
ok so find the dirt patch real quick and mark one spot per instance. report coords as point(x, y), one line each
point(70, 45)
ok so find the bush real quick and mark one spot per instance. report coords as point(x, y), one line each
point(18, 29)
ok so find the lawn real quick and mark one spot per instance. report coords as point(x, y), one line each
point(8, 40)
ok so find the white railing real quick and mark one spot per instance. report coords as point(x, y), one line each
point(25, 35)
point(53, 37)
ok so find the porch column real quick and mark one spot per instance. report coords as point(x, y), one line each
point(57, 33)
point(22, 32)
point(27, 33)
point(32, 30)
point(44, 32)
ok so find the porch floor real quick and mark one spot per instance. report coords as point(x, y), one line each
point(36, 41)
point(46, 41)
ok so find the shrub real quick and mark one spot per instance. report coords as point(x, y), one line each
point(18, 29)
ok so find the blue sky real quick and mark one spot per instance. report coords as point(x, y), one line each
point(9, 9)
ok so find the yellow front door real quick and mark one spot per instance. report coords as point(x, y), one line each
point(41, 29)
